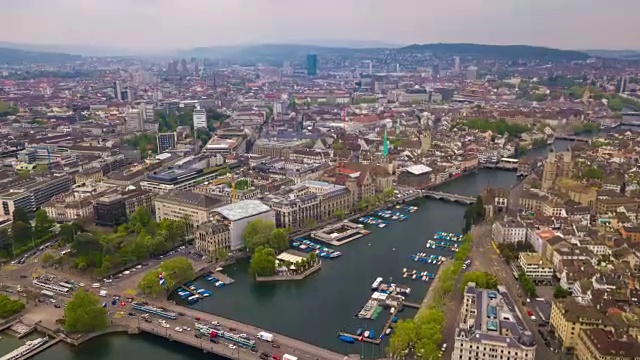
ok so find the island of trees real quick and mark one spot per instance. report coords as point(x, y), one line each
point(174, 271)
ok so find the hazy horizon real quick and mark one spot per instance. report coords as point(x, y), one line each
point(165, 25)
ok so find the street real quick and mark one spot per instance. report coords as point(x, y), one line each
point(486, 258)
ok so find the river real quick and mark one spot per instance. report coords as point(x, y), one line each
point(315, 309)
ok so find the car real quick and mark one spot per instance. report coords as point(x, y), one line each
point(131, 314)
point(274, 345)
point(233, 329)
point(139, 267)
point(81, 284)
point(275, 357)
point(215, 323)
point(186, 328)
point(198, 336)
point(23, 276)
point(147, 320)
point(165, 325)
point(243, 335)
point(443, 348)
point(181, 313)
point(57, 306)
point(231, 346)
point(52, 301)
point(178, 329)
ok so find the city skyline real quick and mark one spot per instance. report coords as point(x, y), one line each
point(163, 25)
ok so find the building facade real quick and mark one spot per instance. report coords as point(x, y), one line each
point(212, 238)
point(195, 209)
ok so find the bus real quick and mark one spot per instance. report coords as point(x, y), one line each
point(51, 287)
point(47, 293)
point(66, 285)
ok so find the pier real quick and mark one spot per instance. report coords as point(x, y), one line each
point(40, 349)
point(340, 233)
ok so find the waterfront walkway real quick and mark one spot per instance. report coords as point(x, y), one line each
point(288, 345)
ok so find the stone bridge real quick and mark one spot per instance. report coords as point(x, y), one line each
point(439, 195)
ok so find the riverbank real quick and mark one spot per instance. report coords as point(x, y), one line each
point(435, 287)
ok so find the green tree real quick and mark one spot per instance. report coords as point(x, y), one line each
point(339, 214)
point(527, 285)
point(279, 240)
point(67, 232)
point(21, 233)
point(43, 224)
point(140, 219)
point(9, 307)
point(560, 292)
point(310, 224)
point(174, 271)
point(593, 172)
point(263, 262)
point(616, 104)
point(83, 314)
point(21, 215)
point(47, 258)
point(482, 279)
point(257, 234)
point(88, 250)
point(221, 254)
point(6, 244)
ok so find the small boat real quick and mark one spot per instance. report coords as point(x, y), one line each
point(388, 331)
point(366, 333)
point(359, 332)
point(347, 339)
point(372, 334)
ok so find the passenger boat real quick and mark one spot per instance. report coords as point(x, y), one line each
point(25, 349)
point(376, 283)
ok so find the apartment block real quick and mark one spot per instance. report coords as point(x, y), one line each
point(568, 318)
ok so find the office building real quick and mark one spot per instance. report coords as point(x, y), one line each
point(166, 141)
point(134, 121)
point(490, 326)
point(471, 73)
point(238, 215)
point(117, 90)
point(183, 66)
point(32, 194)
point(199, 118)
point(213, 237)
point(195, 208)
point(569, 317)
point(312, 64)
point(509, 231)
point(456, 64)
point(116, 209)
point(622, 85)
point(169, 179)
point(600, 344)
point(535, 266)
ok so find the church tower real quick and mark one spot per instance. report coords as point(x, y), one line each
point(550, 171)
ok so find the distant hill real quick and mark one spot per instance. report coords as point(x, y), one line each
point(83, 50)
point(615, 54)
point(16, 57)
point(499, 51)
point(267, 51)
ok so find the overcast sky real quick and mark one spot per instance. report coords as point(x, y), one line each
point(170, 24)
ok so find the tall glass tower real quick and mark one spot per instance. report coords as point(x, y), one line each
point(312, 64)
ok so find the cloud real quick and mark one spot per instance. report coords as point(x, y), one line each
point(170, 24)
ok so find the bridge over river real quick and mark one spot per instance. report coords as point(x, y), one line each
point(439, 195)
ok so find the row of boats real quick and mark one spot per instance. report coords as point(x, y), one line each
point(194, 295)
point(448, 245)
point(416, 275)
point(428, 258)
point(370, 220)
point(212, 279)
point(409, 208)
point(310, 246)
point(392, 215)
point(441, 235)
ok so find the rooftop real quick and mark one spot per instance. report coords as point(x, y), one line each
point(189, 198)
point(243, 209)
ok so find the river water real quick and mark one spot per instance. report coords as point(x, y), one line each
point(315, 309)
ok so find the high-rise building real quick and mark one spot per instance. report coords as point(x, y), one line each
point(199, 118)
point(624, 82)
point(472, 73)
point(134, 121)
point(456, 64)
point(117, 90)
point(312, 64)
point(166, 141)
point(286, 67)
point(183, 66)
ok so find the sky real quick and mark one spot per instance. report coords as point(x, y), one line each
point(156, 25)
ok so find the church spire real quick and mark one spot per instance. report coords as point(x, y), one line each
point(385, 144)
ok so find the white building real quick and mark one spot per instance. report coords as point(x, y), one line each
point(471, 73)
point(134, 121)
point(491, 326)
point(238, 215)
point(199, 118)
point(509, 231)
point(535, 267)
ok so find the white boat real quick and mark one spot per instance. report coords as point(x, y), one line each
point(388, 331)
point(25, 349)
point(366, 334)
point(376, 283)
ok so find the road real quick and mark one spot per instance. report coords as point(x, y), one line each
point(486, 258)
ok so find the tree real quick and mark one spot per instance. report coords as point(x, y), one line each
point(43, 224)
point(560, 292)
point(310, 224)
point(20, 215)
point(279, 240)
point(88, 250)
point(21, 233)
point(140, 219)
point(263, 262)
point(221, 254)
point(482, 279)
point(9, 307)
point(174, 271)
point(47, 258)
point(339, 214)
point(593, 172)
point(84, 314)
point(67, 232)
point(257, 234)
point(616, 104)
point(6, 244)
point(527, 285)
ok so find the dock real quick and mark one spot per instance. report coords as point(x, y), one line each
point(340, 233)
point(375, 341)
point(222, 277)
point(21, 330)
point(184, 286)
point(42, 348)
point(411, 305)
